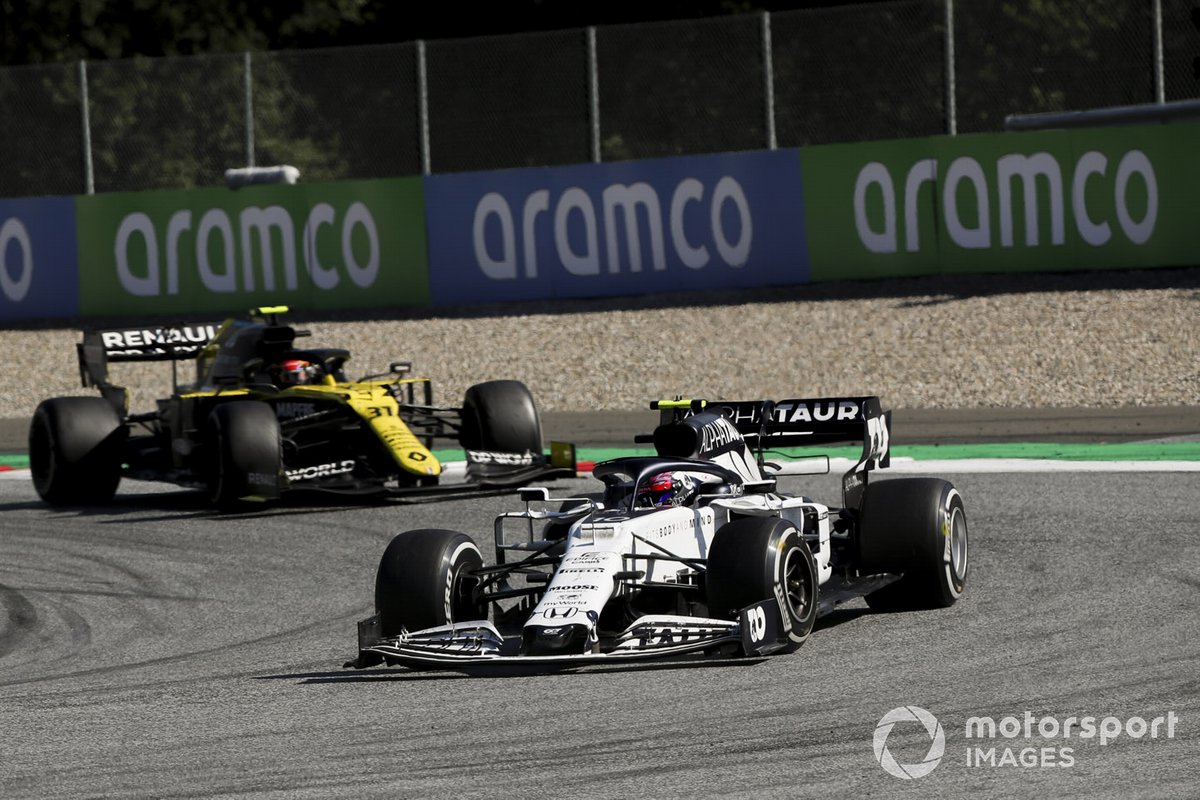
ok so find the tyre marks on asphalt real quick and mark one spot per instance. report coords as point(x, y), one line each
point(20, 619)
point(1081, 600)
point(130, 589)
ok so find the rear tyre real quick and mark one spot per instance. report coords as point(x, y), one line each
point(915, 527)
point(426, 578)
point(500, 416)
point(757, 558)
point(245, 454)
point(75, 450)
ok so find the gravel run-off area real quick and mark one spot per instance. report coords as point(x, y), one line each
point(1087, 339)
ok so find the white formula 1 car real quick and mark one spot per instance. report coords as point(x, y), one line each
point(691, 551)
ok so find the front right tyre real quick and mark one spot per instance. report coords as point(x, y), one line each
point(500, 416)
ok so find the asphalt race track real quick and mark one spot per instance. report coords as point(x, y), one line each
point(154, 648)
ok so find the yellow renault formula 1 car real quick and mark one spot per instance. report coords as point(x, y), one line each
point(265, 416)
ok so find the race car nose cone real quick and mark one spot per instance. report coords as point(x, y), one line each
point(557, 640)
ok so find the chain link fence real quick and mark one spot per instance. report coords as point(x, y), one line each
point(1085, 54)
point(860, 72)
point(675, 88)
point(511, 101)
point(752, 81)
point(337, 113)
point(41, 131)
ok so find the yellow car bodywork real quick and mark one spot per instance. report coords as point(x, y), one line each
point(374, 403)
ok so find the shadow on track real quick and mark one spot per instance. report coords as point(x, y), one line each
point(509, 670)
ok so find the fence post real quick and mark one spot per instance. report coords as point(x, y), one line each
point(768, 79)
point(89, 180)
point(951, 92)
point(1160, 92)
point(593, 94)
point(423, 107)
point(248, 79)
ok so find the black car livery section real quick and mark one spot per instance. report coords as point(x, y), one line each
point(713, 560)
point(241, 432)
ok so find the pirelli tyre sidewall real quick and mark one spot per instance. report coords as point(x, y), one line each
point(917, 528)
point(75, 446)
point(759, 558)
point(426, 578)
point(500, 416)
point(244, 454)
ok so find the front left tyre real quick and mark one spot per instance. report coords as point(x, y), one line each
point(75, 448)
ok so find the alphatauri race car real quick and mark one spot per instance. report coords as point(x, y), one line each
point(266, 416)
point(687, 552)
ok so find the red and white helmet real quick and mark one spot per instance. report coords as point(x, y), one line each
point(296, 372)
point(666, 489)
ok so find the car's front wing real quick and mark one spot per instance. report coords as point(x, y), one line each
point(756, 632)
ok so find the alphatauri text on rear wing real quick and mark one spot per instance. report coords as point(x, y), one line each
point(800, 422)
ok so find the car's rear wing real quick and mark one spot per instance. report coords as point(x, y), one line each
point(802, 422)
point(150, 343)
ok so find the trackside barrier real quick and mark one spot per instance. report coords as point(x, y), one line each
point(1055, 200)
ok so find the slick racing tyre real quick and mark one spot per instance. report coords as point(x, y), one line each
point(75, 450)
point(757, 558)
point(500, 416)
point(426, 579)
point(915, 527)
point(244, 454)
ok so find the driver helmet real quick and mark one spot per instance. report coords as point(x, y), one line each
point(666, 489)
point(296, 372)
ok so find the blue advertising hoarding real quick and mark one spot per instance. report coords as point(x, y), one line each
point(38, 272)
point(725, 221)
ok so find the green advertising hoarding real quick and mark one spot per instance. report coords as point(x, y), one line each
point(1081, 199)
point(336, 245)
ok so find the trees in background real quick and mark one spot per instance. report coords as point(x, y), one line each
point(865, 71)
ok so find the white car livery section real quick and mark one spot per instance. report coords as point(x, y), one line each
point(691, 551)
